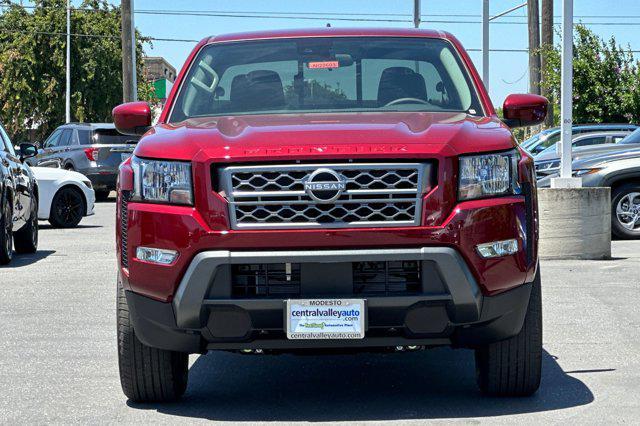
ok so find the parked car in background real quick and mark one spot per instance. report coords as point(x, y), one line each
point(543, 140)
point(18, 201)
point(619, 170)
point(65, 196)
point(93, 149)
point(548, 161)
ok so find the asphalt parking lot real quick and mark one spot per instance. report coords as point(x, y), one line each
point(58, 361)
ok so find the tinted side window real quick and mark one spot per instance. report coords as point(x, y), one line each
point(65, 139)
point(5, 143)
point(84, 137)
point(53, 140)
point(591, 141)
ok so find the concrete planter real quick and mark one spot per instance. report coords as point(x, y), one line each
point(575, 223)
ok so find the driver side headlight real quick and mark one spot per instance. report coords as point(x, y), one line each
point(488, 175)
point(162, 181)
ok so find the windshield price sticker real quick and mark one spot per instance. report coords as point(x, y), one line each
point(325, 319)
point(323, 64)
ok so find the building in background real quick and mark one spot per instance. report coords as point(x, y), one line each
point(162, 74)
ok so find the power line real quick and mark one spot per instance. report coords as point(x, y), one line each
point(336, 16)
point(56, 33)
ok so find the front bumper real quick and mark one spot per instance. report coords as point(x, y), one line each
point(449, 308)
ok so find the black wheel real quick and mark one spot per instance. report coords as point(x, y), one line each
point(67, 208)
point(625, 211)
point(513, 367)
point(147, 374)
point(26, 239)
point(6, 232)
point(69, 167)
point(102, 194)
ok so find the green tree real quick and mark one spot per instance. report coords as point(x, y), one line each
point(32, 65)
point(605, 80)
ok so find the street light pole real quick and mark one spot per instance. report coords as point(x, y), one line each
point(566, 94)
point(68, 93)
point(416, 13)
point(485, 43)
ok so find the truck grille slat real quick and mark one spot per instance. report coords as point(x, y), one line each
point(124, 224)
point(277, 196)
point(284, 280)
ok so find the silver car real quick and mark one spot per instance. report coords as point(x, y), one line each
point(93, 149)
point(548, 161)
point(619, 170)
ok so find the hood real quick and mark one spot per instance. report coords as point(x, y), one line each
point(53, 174)
point(316, 136)
point(632, 152)
point(584, 151)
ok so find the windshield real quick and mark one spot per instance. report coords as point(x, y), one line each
point(336, 74)
point(535, 138)
point(105, 137)
point(634, 137)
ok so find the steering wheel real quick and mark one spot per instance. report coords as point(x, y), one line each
point(406, 100)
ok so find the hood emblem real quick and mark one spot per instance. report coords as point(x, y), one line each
point(325, 185)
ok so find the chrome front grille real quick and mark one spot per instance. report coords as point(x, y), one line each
point(325, 195)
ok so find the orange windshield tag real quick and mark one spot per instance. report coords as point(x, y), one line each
point(324, 64)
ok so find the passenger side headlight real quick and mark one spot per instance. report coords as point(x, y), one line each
point(488, 175)
point(162, 181)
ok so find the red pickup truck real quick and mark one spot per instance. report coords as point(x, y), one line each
point(348, 189)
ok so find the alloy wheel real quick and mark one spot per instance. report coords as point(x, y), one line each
point(69, 207)
point(628, 211)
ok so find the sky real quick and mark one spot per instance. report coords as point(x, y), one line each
point(508, 70)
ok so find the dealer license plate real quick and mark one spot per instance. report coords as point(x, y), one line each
point(325, 319)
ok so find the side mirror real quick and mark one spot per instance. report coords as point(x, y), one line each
point(133, 118)
point(524, 110)
point(27, 150)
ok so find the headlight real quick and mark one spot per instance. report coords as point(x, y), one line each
point(488, 175)
point(162, 181)
point(583, 172)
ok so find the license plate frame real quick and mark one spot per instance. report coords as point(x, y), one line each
point(324, 324)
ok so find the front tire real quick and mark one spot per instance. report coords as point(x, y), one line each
point(26, 239)
point(6, 232)
point(513, 367)
point(67, 208)
point(147, 374)
point(102, 194)
point(625, 211)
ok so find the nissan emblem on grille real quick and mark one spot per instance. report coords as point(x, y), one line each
point(325, 185)
point(326, 195)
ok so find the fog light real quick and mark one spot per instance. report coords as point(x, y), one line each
point(498, 248)
point(154, 255)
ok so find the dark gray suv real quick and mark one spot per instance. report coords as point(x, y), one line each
point(93, 149)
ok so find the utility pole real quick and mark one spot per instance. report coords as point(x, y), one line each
point(546, 42)
point(416, 13)
point(68, 93)
point(485, 43)
point(533, 18)
point(129, 83)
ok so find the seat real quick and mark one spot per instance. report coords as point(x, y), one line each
point(400, 82)
point(256, 90)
